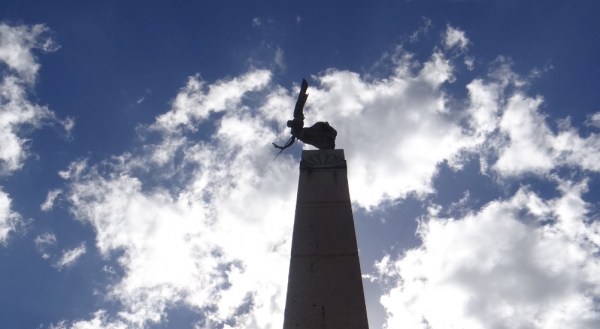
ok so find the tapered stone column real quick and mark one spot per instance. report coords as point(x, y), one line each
point(325, 286)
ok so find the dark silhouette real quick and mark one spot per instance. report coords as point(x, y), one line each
point(320, 135)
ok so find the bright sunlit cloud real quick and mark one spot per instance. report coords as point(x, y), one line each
point(17, 112)
point(9, 220)
point(196, 216)
point(501, 267)
point(217, 240)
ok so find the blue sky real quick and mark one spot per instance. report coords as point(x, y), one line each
point(138, 188)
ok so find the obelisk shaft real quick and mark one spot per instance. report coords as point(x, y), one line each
point(325, 286)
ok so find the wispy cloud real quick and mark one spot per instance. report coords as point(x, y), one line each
point(423, 30)
point(42, 242)
point(593, 120)
point(279, 62)
point(49, 203)
point(69, 257)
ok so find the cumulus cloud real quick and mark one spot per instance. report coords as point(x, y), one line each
point(501, 267)
point(514, 128)
point(386, 126)
point(220, 217)
point(196, 101)
point(521, 262)
point(211, 229)
point(69, 257)
point(197, 219)
point(219, 243)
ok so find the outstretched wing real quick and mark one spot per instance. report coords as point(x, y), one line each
point(298, 115)
point(281, 148)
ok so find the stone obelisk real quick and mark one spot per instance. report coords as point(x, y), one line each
point(325, 288)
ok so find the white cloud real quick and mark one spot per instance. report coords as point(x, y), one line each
point(423, 29)
point(45, 239)
point(42, 242)
point(190, 248)
point(395, 131)
point(279, 58)
point(470, 62)
point(501, 267)
point(49, 203)
point(16, 111)
point(504, 265)
point(218, 243)
point(100, 320)
point(69, 257)
point(515, 130)
point(9, 220)
point(256, 21)
point(68, 125)
point(194, 103)
point(75, 168)
point(456, 38)
point(16, 43)
point(211, 230)
point(594, 120)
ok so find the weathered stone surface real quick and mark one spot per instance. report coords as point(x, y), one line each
point(325, 285)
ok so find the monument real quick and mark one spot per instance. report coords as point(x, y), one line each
point(325, 288)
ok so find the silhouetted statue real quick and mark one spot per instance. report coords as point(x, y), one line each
point(321, 135)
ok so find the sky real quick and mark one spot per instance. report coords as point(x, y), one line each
point(138, 187)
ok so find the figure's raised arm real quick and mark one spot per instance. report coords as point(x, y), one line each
point(298, 110)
